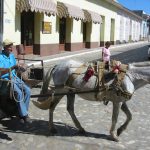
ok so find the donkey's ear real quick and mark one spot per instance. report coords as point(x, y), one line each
point(130, 66)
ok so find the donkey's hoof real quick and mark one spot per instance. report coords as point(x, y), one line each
point(53, 130)
point(114, 138)
point(119, 131)
point(82, 131)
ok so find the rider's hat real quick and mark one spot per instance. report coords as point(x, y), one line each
point(7, 42)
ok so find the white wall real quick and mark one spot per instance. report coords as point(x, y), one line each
point(54, 36)
point(76, 34)
point(129, 26)
point(11, 22)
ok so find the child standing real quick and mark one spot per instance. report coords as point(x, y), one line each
point(106, 54)
point(106, 59)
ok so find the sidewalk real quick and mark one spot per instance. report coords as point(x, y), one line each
point(68, 54)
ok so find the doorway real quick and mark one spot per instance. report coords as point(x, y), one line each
point(62, 33)
point(84, 34)
point(27, 31)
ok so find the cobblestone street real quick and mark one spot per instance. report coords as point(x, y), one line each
point(93, 116)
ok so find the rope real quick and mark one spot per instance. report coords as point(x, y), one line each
point(13, 92)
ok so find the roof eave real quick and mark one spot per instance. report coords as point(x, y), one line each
point(123, 8)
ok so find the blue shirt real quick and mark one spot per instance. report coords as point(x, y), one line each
point(7, 62)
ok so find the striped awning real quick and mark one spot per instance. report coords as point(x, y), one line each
point(67, 10)
point(92, 16)
point(42, 6)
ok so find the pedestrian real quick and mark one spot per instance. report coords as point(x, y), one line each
point(106, 55)
point(8, 66)
point(106, 59)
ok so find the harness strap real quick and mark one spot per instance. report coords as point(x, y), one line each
point(118, 80)
point(120, 76)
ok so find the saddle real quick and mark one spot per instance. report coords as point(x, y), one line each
point(116, 84)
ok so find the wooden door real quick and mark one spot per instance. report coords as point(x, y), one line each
point(27, 31)
point(62, 33)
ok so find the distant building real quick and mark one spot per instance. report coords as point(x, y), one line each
point(145, 26)
point(148, 24)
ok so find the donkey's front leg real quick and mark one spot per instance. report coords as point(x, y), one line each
point(52, 107)
point(126, 110)
point(70, 108)
point(114, 120)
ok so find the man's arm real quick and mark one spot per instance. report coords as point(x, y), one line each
point(7, 70)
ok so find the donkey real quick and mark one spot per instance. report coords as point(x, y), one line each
point(137, 75)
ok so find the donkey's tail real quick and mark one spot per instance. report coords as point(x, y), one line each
point(42, 104)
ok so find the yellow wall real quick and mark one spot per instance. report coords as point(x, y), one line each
point(11, 21)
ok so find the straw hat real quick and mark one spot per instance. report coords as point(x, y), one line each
point(7, 42)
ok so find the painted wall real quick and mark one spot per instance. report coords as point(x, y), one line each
point(129, 27)
point(101, 7)
point(74, 31)
point(54, 36)
point(144, 30)
point(11, 22)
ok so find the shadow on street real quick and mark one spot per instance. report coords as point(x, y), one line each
point(40, 127)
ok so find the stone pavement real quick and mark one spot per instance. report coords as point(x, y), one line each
point(93, 116)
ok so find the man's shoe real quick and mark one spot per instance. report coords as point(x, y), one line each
point(21, 121)
point(25, 119)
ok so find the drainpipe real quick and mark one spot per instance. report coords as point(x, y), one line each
point(1, 22)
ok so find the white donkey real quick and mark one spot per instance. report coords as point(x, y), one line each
point(138, 74)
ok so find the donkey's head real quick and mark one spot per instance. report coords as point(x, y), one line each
point(140, 71)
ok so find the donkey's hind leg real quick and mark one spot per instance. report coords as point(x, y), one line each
point(52, 107)
point(70, 108)
point(125, 109)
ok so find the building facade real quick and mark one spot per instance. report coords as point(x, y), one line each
point(46, 27)
point(144, 26)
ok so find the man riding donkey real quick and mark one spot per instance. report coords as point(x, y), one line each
point(21, 92)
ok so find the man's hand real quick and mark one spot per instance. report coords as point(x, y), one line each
point(4, 71)
point(14, 67)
